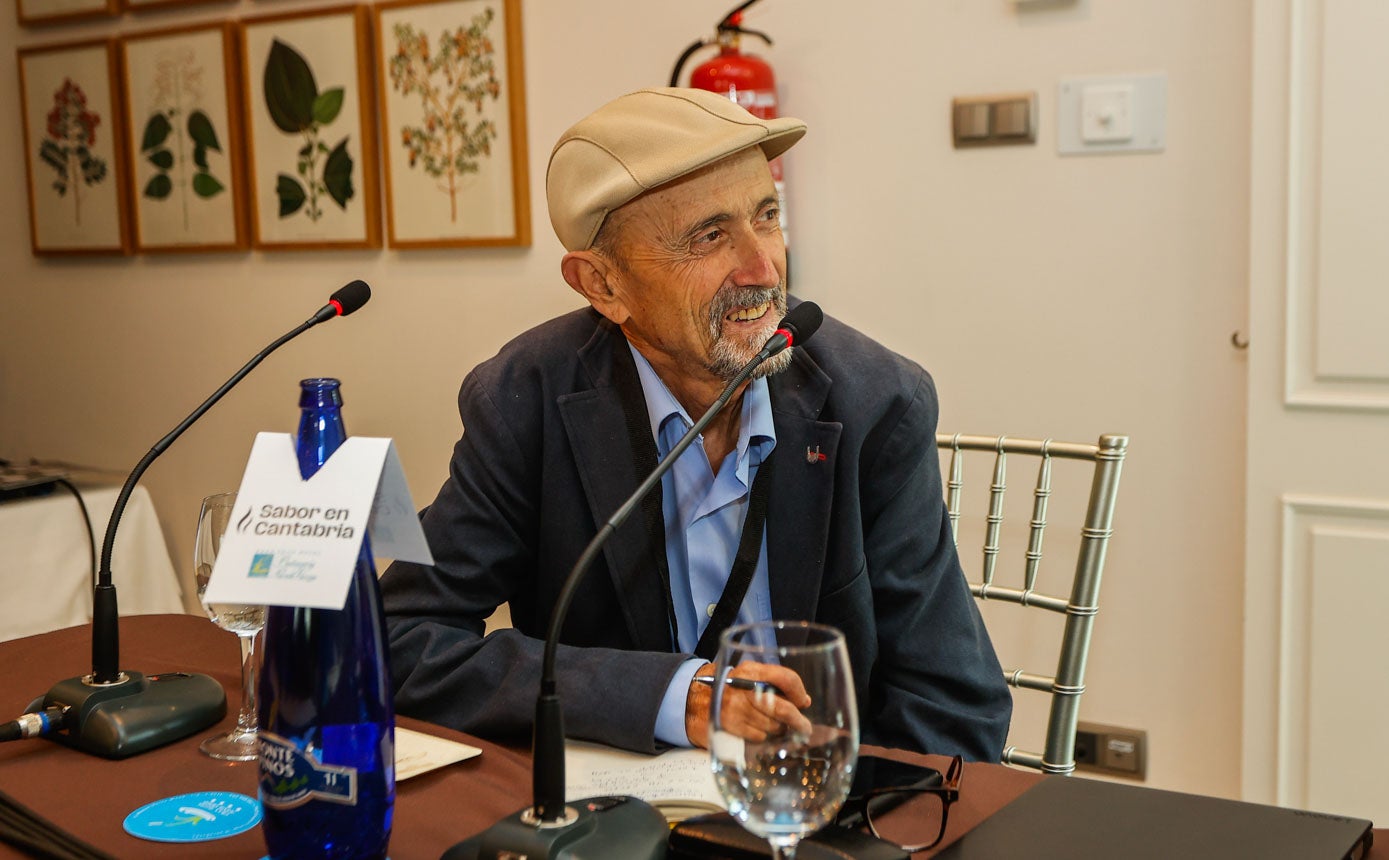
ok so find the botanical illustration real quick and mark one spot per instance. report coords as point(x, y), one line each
point(298, 108)
point(67, 148)
point(458, 74)
point(174, 127)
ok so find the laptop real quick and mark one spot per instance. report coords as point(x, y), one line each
point(1073, 817)
point(21, 482)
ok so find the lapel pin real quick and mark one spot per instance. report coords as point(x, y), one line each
point(814, 456)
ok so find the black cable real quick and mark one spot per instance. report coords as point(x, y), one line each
point(86, 520)
point(35, 724)
point(36, 836)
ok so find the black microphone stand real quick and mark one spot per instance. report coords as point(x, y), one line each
point(620, 826)
point(114, 713)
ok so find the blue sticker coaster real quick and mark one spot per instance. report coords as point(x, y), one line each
point(195, 817)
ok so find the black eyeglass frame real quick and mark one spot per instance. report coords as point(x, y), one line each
point(948, 792)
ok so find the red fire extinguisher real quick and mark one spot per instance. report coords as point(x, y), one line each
point(746, 79)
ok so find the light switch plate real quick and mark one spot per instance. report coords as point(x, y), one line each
point(994, 120)
point(1117, 113)
point(1106, 112)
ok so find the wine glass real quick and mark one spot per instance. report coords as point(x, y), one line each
point(783, 728)
point(245, 621)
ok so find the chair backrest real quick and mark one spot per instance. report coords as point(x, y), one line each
point(1080, 608)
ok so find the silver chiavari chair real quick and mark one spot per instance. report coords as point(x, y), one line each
point(1068, 682)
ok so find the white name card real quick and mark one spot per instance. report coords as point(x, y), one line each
point(293, 542)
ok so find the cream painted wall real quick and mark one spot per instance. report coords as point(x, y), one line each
point(1048, 295)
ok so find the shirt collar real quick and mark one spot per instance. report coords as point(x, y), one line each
point(756, 425)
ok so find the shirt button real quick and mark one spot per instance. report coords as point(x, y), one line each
point(711, 609)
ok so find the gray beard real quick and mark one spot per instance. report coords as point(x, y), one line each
point(775, 364)
point(728, 356)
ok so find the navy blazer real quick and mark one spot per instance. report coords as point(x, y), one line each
point(857, 537)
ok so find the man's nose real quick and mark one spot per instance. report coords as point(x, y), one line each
point(756, 263)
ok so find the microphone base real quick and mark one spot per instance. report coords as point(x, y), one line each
point(623, 827)
point(134, 715)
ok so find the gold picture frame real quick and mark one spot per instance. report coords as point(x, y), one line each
point(311, 151)
point(74, 148)
point(184, 145)
point(30, 12)
point(451, 78)
point(145, 5)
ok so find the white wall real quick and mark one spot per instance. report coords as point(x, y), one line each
point(1049, 296)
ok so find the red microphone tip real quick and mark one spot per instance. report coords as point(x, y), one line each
point(337, 304)
point(786, 333)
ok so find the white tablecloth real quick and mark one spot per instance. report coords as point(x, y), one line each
point(45, 566)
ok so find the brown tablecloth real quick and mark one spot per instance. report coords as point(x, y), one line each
point(90, 797)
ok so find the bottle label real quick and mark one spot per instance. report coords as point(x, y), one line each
point(290, 776)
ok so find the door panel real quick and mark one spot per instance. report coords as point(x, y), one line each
point(1317, 516)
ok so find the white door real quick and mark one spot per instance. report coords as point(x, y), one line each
point(1317, 545)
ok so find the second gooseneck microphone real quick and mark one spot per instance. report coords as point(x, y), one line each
point(602, 827)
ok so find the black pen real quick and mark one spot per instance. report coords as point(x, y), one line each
point(742, 684)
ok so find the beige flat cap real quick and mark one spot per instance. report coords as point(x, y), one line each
point(642, 141)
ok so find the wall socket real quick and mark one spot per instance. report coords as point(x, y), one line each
point(1112, 750)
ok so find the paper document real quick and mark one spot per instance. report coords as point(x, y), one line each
point(680, 782)
point(417, 753)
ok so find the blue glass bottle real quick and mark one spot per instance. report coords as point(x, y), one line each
point(327, 721)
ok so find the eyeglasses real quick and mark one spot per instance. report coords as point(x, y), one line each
point(912, 818)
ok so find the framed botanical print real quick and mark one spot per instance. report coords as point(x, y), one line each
point(452, 86)
point(185, 148)
point(62, 11)
point(309, 111)
point(72, 149)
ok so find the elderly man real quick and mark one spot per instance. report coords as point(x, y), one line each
point(665, 203)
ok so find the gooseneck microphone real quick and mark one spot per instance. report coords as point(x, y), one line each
point(115, 713)
point(602, 826)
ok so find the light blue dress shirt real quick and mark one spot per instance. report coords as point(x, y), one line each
point(704, 514)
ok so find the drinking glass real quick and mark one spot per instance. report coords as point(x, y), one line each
point(783, 728)
point(245, 621)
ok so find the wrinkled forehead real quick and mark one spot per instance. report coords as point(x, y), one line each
point(735, 186)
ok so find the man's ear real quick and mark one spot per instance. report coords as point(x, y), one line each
point(588, 274)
